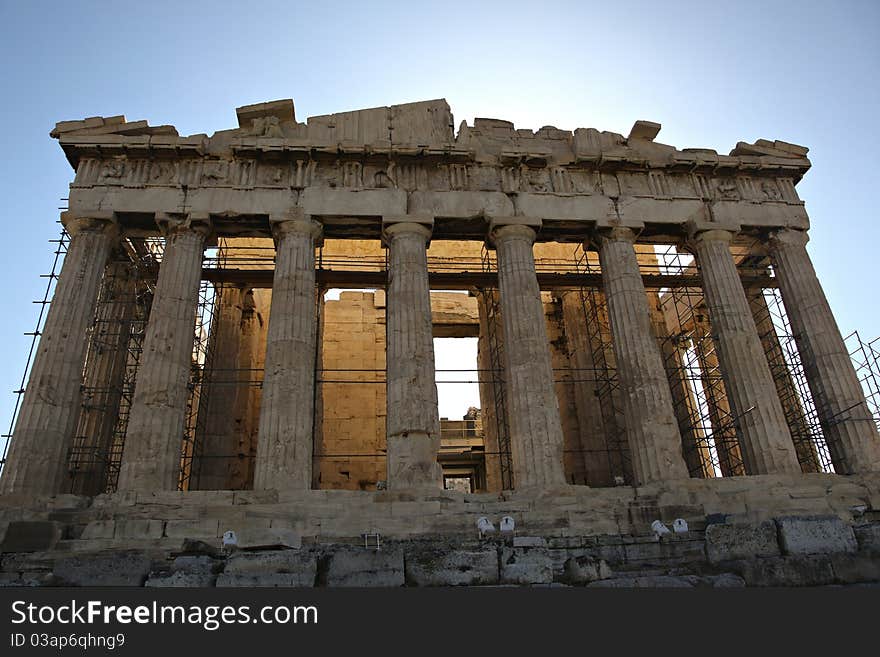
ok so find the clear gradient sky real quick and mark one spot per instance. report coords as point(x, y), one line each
point(711, 73)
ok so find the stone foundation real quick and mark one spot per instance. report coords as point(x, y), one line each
point(805, 530)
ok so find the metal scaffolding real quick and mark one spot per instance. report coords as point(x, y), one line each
point(787, 369)
point(495, 344)
point(604, 373)
point(710, 433)
point(115, 344)
point(866, 359)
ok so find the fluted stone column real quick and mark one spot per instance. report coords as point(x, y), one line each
point(766, 444)
point(492, 405)
point(287, 408)
point(693, 440)
point(724, 431)
point(846, 421)
point(532, 405)
point(37, 461)
point(651, 426)
point(789, 397)
point(413, 426)
point(103, 379)
point(157, 422)
point(222, 385)
point(594, 450)
point(244, 420)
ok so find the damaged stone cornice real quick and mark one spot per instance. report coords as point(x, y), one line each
point(420, 131)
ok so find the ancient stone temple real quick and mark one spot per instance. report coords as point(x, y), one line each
point(241, 340)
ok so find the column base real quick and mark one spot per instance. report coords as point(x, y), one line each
point(412, 463)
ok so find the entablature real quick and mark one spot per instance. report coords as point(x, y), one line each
point(354, 167)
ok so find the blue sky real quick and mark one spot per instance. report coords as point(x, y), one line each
point(711, 73)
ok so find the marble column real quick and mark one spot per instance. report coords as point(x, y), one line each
point(103, 378)
point(724, 431)
point(413, 425)
point(789, 397)
point(244, 420)
point(651, 426)
point(287, 408)
point(766, 443)
point(157, 422)
point(532, 405)
point(222, 385)
point(846, 421)
point(492, 397)
point(693, 439)
point(586, 387)
point(37, 461)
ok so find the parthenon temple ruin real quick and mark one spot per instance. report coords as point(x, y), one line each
point(241, 338)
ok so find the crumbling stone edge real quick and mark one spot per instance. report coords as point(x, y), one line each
point(784, 551)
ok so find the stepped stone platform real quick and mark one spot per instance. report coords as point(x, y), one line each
point(776, 530)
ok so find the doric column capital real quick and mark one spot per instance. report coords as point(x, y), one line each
point(695, 238)
point(605, 234)
point(506, 228)
point(709, 231)
point(93, 222)
point(393, 225)
point(788, 237)
point(171, 223)
point(296, 222)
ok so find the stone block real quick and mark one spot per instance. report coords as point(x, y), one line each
point(853, 569)
point(194, 564)
point(98, 529)
point(644, 582)
point(451, 567)
point(268, 537)
point(725, 542)
point(23, 562)
point(529, 541)
point(302, 567)
point(89, 546)
point(786, 571)
point(868, 538)
point(197, 529)
point(139, 528)
point(192, 547)
point(565, 542)
point(665, 550)
point(526, 566)
point(181, 579)
point(417, 509)
point(690, 512)
point(108, 569)
point(16, 580)
point(611, 551)
point(67, 502)
point(723, 581)
point(31, 536)
point(361, 567)
point(11, 580)
point(255, 497)
point(265, 580)
point(641, 515)
point(581, 570)
point(189, 498)
point(815, 535)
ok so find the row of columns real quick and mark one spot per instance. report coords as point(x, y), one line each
point(38, 457)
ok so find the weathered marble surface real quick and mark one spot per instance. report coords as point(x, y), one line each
point(390, 160)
